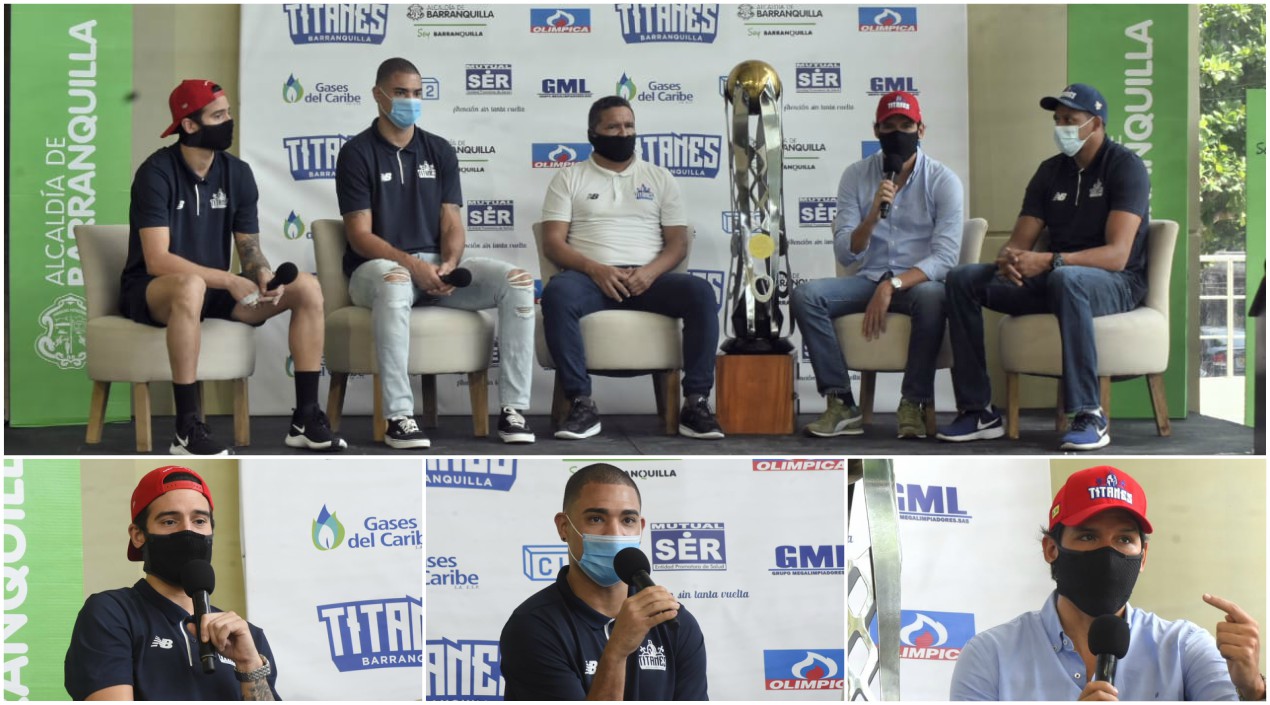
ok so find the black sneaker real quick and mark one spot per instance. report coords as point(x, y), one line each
point(195, 438)
point(697, 421)
point(403, 432)
point(311, 429)
point(583, 421)
point(513, 428)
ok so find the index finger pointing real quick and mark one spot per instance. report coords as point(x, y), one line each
point(1235, 612)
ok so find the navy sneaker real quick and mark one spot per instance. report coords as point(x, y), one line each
point(973, 426)
point(312, 430)
point(193, 437)
point(583, 421)
point(697, 421)
point(513, 428)
point(1088, 432)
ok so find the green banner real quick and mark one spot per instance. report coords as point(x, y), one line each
point(1138, 56)
point(43, 575)
point(70, 156)
point(1255, 184)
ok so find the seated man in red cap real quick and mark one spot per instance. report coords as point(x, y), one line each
point(1096, 546)
point(139, 643)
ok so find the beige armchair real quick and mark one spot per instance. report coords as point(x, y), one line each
point(121, 350)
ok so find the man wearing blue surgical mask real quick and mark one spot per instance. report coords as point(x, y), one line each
point(589, 636)
point(1094, 199)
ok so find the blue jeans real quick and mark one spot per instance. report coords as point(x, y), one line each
point(390, 299)
point(570, 295)
point(1074, 294)
point(816, 303)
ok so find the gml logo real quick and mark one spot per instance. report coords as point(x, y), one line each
point(817, 212)
point(817, 77)
point(497, 474)
point(888, 19)
point(490, 215)
point(691, 23)
point(541, 563)
point(689, 546)
point(313, 156)
point(564, 88)
point(881, 85)
point(795, 464)
point(554, 155)
point(489, 79)
point(930, 503)
point(823, 559)
point(337, 24)
point(383, 633)
point(714, 278)
point(464, 669)
point(572, 20)
point(684, 154)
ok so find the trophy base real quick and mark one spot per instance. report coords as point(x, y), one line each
point(756, 346)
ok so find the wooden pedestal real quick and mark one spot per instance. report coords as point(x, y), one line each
point(755, 394)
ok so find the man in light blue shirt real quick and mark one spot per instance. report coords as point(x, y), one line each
point(1096, 547)
point(902, 255)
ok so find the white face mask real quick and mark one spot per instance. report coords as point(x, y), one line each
point(1067, 137)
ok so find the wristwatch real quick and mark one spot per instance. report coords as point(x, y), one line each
point(258, 674)
point(896, 283)
point(1058, 261)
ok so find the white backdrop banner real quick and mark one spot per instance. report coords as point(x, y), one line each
point(509, 86)
point(752, 547)
point(333, 553)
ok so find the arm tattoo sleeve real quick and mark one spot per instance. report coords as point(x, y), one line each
point(249, 254)
point(257, 690)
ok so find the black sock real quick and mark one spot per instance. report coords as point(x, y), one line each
point(186, 400)
point(306, 389)
point(692, 399)
point(846, 398)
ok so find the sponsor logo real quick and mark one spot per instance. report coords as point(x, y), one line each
point(817, 212)
point(336, 24)
point(464, 669)
point(652, 657)
point(779, 20)
point(473, 158)
point(803, 669)
point(930, 503)
point(689, 546)
point(313, 156)
point(572, 20)
point(445, 571)
point(564, 88)
point(780, 12)
point(488, 79)
point(654, 91)
point(786, 282)
point(881, 85)
point(379, 532)
point(497, 474)
point(379, 633)
point(293, 92)
point(543, 562)
point(888, 19)
point(798, 464)
point(691, 23)
point(328, 532)
point(293, 228)
point(731, 221)
point(931, 636)
point(869, 147)
point(431, 88)
point(63, 342)
point(448, 21)
point(802, 156)
point(161, 643)
point(684, 154)
point(817, 77)
point(554, 155)
point(490, 215)
point(822, 559)
point(714, 278)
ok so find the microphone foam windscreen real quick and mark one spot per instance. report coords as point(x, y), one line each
point(628, 562)
point(197, 575)
point(459, 277)
point(286, 273)
point(1109, 635)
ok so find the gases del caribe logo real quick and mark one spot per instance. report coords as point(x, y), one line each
point(292, 91)
point(293, 227)
point(328, 532)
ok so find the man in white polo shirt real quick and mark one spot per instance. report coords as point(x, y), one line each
point(616, 227)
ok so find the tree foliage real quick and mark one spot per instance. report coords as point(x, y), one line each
point(1232, 60)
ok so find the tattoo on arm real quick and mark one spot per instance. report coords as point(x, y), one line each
point(249, 254)
point(258, 690)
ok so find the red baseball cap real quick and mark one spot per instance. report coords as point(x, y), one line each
point(154, 485)
point(188, 98)
point(899, 103)
point(1098, 489)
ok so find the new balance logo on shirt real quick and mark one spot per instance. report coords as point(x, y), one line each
point(1060, 197)
point(161, 643)
point(387, 176)
point(590, 667)
point(593, 197)
point(180, 205)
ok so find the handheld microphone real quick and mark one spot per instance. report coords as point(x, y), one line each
point(459, 278)
point(283, 275)
point(632, 567)
point(199, 581)
point(892, 166)
point(1109, 642)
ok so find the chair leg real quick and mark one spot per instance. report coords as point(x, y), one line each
point(1012, 404)
point(559, 405)
point(868, 385)
point(1155, 385)
point(659, 392)
point(141, 410)
point(1060, 410)
point(1104, 398)
point(242, 413)
point(335, 400)
point(930, 420)
point(669, 384)
point(429, 394)
point(478, 389)
point(97, 412)
point(378, 424)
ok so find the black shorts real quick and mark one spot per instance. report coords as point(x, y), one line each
point(217, 303)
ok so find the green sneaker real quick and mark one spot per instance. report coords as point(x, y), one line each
point(838, 420)
point(912, 420)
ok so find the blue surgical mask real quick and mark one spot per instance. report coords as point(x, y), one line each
point(597, 555)
point(1067, 137)
point(405, 111)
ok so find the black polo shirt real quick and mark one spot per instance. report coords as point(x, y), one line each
point(402, 188)
point(201, 214)
point(1075, 203)
point(551, 647)
point(135, 636)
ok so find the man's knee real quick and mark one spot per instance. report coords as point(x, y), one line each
point(521, 284)
point(306, 290)
point(185, 293)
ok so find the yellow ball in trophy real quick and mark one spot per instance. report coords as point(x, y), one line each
point(753, 77)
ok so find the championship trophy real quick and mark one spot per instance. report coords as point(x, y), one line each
point(873, 582)
point(752, 98)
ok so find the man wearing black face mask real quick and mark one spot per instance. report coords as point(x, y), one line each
point(139, 643)
point(190, 201)
point(1096, 545)
point(902, 255)
point(616, 227)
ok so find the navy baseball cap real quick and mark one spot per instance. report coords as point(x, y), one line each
point(1079, 96)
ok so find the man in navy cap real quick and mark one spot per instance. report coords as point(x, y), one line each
point(1094, 199)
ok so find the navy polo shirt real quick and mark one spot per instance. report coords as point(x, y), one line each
point(551, 647)
point(135, 636)
point(201, 214)
point(402, 188)
point(1075, 203)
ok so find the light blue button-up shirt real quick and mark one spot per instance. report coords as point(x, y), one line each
point(1030, 658)
point(923, 229)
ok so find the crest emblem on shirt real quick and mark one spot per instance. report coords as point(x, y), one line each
point(1060, 196)
point(161, 643)
point(1095, 191)
point(427, 171)
point(652, 657)
point(643, 193)
point(219, 199)
point(589, 667)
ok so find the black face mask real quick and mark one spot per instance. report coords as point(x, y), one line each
point(898, 146)
point(1098, 582)
point(615, 148)
point(217, 138)
point(166, 554)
